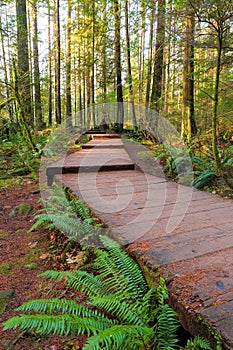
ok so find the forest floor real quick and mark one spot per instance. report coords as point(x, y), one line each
point(23, 255)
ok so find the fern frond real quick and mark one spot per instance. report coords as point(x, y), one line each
point(198, 343)
point(204, 178)
point(88, 283)
point(56, 305)
point(50, 324)
point(120, 337)
point(41, 221)
point(162, 291)
point(127, 267)
point(55, 275)
point(166, 328)
point(124, 312)
point(147, 307)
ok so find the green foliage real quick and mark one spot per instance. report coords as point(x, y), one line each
point(204, 178)
point(121, 310)
point(16, 156)
point(73, 218)
point(198, 343)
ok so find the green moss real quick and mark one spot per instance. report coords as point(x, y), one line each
point(21, 210)
point(20, 231)
point(10, 182)
point(3, 233)
point(5, 268)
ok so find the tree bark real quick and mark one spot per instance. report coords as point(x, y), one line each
point(50, 105)
point(6, 80)
point(68, 63)
point(129, 75)
point(37, 92)
point(189, 127)
point(57, 48)
point(157, 86)
point(23, 60)
point(120, 108)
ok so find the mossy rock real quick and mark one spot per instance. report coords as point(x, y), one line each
point(21, 210)
point(5, 297)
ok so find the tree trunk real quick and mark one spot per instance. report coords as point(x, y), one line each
point(150, 54)
point(50, 105)
point(215, 105)
point(5, 72)
point(23, 60)
point(120, 108)
point(141, 54)
point(68, 63)
point(37, 97)
point(188, 122)
point(157, 86)
point(57, 49)
point(129, 75)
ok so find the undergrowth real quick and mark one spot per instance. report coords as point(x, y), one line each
point(121, 311)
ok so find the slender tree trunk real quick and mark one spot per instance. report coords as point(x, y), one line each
point(215, 105)
point(150, 54)
point(23, 60)
point(57, 43)
point(157, 87)
point(5, 72)
point(37, 92)
point(50, 104)
point(93, 65)
point(130, 79)
point(120, 109)
point(188, 122)
point(68, 63)
point(22, 122)
point(141, 54)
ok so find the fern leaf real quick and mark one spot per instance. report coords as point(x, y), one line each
point(87, 283)
point(124, 312)
point(55, 275)
point(50, 324)
point(56, 305)
point(205, 178)
point(127, 267)
point(166, 328)
point(120, 337)
point(198, 343)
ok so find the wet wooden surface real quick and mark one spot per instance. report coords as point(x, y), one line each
point(174, 230)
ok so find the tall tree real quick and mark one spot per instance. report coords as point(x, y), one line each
point(68, 61)
point(157, 86)
point(57, 59)
point(150, 53)
point(128, 54)
point(189, 127)
point(6, 79)
point(50, 105)
point(23, 60)
point(36, 71)
point(120, 107)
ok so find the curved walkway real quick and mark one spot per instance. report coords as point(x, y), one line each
point(173, 230)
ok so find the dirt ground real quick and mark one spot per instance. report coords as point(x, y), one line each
point(23, 256)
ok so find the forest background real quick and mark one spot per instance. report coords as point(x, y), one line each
point(60, 57)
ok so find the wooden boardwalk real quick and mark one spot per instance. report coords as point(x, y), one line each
point(184, 234)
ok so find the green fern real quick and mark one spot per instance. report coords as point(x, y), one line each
point(120, 313)
point(73, 218)
point(120, 337)
point(204, 178)
point(198, 343)
point(166, 327)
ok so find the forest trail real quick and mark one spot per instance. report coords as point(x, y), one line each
point(177, 231)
